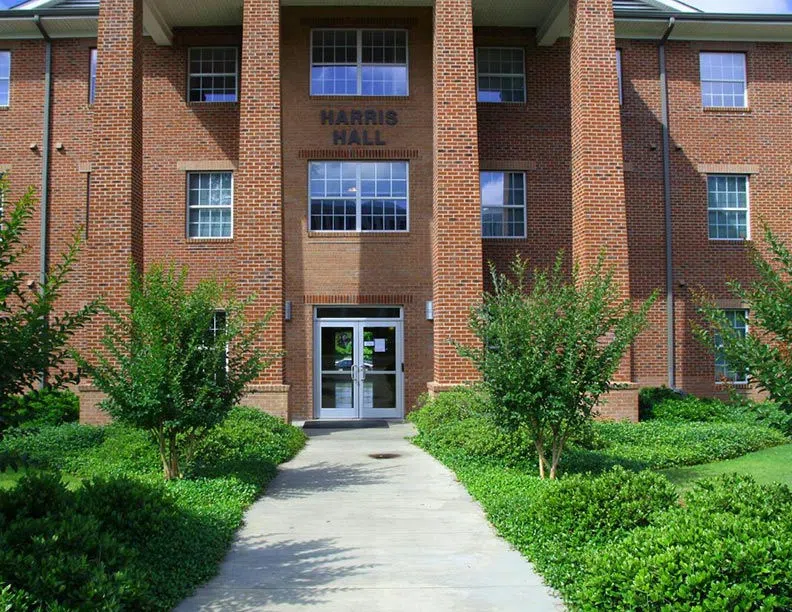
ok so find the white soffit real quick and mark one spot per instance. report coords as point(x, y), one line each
point(706, 30)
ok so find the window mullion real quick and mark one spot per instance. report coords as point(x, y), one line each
point(360, 62)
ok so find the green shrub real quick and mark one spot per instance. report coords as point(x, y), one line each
point(649, 397)
point(448, 407)
point(37, 408)
point(60, 555)
point(658, 444)
point(124, 451)
point(125, 539)
point(52, 446)
point(691, 409)
point(461, 420)
point(729, 548)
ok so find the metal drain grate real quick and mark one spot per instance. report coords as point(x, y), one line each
point(384, 455)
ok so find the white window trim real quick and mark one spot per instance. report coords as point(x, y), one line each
point(10, 68)
point(359, 64)
point(745, 380)
point(747, 208)
point(744, 82)
point(502, 74)
point(93, 68)
point(524, 206)
point(200, 206)
point(191, 74)
point(619, 76)
point(358, 197)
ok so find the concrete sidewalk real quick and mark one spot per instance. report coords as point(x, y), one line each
point(339, 530)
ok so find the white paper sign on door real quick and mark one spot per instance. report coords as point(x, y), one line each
point(379, 345)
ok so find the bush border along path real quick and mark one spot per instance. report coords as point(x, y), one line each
point(125, 539)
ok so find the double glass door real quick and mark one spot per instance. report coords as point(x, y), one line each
point(359, 369)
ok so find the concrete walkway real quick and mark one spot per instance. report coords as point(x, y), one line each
point(339, 530)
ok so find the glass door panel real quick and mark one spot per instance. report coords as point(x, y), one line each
point(338, 371)
point(380, 375)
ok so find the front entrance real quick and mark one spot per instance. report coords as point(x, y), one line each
point(358, 363)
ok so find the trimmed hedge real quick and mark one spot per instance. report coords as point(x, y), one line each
point(621, 540)
point(126, 539)
point(729, 548)
point(37, 408)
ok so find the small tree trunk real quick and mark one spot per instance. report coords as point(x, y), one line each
point(558, 447)
point(173, 470)
point(540, 451)
point(163, 453)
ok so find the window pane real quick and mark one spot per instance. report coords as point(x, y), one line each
point(723, 370)
point(5, 78)
point(375, 190)
point(92, 77)
point(723, 80)
point(502, 204)
point(213, 74)
point(727, 207)
point(333, 80)
point(378, 68)
point(210, 202)
point(500, 74)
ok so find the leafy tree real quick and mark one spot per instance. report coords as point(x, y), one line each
point(548, 353)
point(766, 352)
point(167, 369)
point(33, 340)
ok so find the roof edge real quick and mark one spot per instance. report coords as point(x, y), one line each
point(714, 17)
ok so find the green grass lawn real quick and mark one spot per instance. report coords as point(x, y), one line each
point(765, 466)
point(9, 478)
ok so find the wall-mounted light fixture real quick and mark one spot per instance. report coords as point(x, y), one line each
point(429, 310)
point(287, 310)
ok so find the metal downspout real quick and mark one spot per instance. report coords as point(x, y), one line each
point(669, 235)
point(45, 163)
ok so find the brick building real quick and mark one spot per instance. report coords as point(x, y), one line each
point(356, 165)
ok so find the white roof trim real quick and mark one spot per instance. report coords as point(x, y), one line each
point(673, 6)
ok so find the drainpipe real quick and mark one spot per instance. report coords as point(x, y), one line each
point(45, 163)
point(669, 236)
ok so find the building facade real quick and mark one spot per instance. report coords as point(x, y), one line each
point(357, 167)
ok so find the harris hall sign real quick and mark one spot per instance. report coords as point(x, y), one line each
point(358, 126)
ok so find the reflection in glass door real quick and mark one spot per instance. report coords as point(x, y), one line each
point(359, 369)
point(338, 371)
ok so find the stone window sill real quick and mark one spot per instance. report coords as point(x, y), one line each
point(728, 109)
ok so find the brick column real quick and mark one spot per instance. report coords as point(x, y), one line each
point(456, 232)
point(115, 223)
point(258, 226)
point(599, 213)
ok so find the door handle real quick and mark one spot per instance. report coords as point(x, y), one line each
point(352, 372)
point(362, 372)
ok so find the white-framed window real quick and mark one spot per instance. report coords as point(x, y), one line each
point(723, 79)
point(619, 75)
point(210, 197)
point(358, 196)
point(5, 78)
point(359, 62)
point(213, 74)
point(727, 207)
point(724, 372)
point(92, 76)
point(502, 204)
point(500, 74)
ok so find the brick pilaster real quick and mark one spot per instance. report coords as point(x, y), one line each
point(599, 213)
point(456, 232)
point(258, 225)
point(115, 220)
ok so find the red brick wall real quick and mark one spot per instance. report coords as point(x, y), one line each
point(534, 136)
point(370, 268)
point(456, 236)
